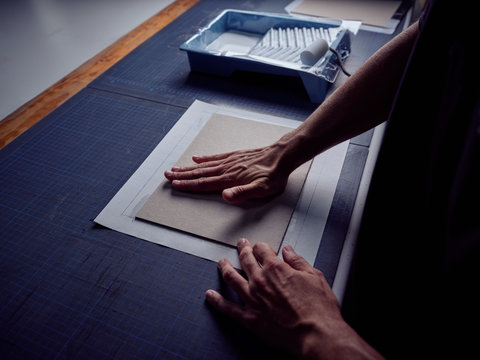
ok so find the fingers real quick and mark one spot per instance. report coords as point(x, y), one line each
point(247, 259)
point(191, 172)
point(207, 158)
point(203, 184)
point(223, 305)
point(204, 164)
point(233, 278)
point(294, 260)
point(264, 254)
point(204, 177)
point(217, 157)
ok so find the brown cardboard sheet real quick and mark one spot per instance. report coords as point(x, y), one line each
point(208, 215)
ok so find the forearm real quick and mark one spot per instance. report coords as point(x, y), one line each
point(363, 102)
point(339, 341)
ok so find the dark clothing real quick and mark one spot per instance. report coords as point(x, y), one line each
point(413, 287)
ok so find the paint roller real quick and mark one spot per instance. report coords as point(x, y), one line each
point(316, 50)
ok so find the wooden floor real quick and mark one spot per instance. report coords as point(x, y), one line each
point(39, 107)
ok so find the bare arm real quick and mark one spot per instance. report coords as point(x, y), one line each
point(363, 102)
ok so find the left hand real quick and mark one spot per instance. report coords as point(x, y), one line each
point(240, 175)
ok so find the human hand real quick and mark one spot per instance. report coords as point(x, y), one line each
point(287, 303)
point(240, 175)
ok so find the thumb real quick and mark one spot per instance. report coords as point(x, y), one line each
point(244, 192)
point(294, 260)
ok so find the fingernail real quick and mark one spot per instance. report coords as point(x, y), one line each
point(176, 182)
point(228, 194)
point(210, 295)
point(288, 248)
point(242, 242)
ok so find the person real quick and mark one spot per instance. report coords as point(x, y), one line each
point(412, 289)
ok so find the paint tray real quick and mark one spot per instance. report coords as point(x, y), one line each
point(267, 43)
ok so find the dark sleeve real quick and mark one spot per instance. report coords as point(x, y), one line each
point(425, 13)
point(418, 256)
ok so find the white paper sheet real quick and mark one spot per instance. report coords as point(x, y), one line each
point(306, 226)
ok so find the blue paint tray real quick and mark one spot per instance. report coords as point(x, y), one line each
point(267, 43)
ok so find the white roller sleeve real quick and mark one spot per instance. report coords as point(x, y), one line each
point(314, 52)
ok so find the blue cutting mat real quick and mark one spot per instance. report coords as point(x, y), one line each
point(71, 289)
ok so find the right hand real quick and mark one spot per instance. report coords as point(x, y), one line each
point(289, 304)
point(239, 175)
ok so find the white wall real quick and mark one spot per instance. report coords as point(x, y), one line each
point(41, 41)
